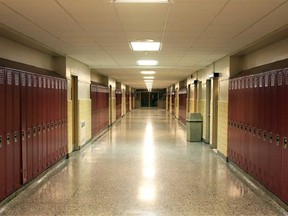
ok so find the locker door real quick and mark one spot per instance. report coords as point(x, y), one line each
point(52, 127)
point(65, 118)
point(261, 152)
point(229, 118)
point(284, 144)
point(56, 110)
point(44, 122)
point(29, 127)
point(2, 135)
point(48, 117)
point(245, 142)
point(16, 129)
point(9, 133)
point(23, 95)
point(275, 149)
point(250, 124)
point(35, 111)
point(40, 123)
point(266, 127)
point(254, 147)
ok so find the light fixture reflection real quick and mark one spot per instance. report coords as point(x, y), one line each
point(147, 192)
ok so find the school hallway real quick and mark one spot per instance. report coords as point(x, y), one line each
point(143, 165)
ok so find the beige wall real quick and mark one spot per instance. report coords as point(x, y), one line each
point(82, 71)
point(275, 52)
point(23, 54)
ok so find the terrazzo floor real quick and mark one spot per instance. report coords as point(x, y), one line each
point(143, 165)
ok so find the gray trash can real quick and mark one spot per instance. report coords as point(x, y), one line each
point(194, 127)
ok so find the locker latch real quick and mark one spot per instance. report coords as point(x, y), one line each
point(39, 129)
point(277, 139)
point(285, 143)
point(23, 135)
point(245, 128)
point(254, 131)
point(15, 137)
point(8, 139)
point(241, 127)
point(249, 129)
point(48, 127)
point(0, 141)
point(28, 133)
point(34, 131)
point(43, 128)
point(264, 135)
point(270, 137)
point(259, 134)
point(56, 125)
point(52, 126)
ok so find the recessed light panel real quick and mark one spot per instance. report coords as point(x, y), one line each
point(148, 77)
point(141, 1)
point(147, 62)
point(147, 72)
point(145, 46)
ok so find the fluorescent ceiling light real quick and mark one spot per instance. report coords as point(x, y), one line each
point(148, 77)
point(148, 72)
point(145, 46)
point(147, 62)
point(141, 1)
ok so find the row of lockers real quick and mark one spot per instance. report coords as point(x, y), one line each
point(100, 108)
point(182, 105)
point(127, 102)
point(33, 126)
point(258, 128)
point(118, 103)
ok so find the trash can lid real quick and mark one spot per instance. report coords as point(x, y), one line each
point(194, 117)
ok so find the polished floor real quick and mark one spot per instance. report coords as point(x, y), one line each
point(143, 165)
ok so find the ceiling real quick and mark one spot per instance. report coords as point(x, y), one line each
point(193, 33)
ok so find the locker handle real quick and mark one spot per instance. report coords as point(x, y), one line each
point(285, 143)
point(277, 139)
point(34, 131)
point(8, 139)
point(0, 141)
point(259, 134)
point(43, 128)
point(48, 127)
point(28, 133)
point(241, 127)
point(56, 125)
point(52, 126)
point(245, 128)
point(23, 135)
point(254, 131)
point(270, 137)
point(39, 129)
point(264, 135)
point(249, 129)
point(15, 137)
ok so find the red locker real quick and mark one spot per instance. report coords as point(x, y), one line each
point(261, 150)
point(9, 133)
point(23, 91)
point(284, 144)
point(48, 117)
point(2, 135)
point(250, 124)
point(62, 118)
point(275, 149)
point(255, 129)
point(245, 132)
point(65, 117)
point(29, 127)
point(40, 123)
point(52, 118)
point(16, 141)
point(35, 110)
point(266, 128)
point(56, 117)
point(44, 122)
